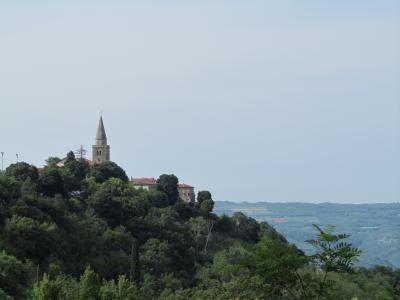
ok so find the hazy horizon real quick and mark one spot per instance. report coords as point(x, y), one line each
point(273, 101)
point(316, 203)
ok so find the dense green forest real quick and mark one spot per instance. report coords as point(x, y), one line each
point(81, 232)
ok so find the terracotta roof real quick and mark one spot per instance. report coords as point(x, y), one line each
point(143, 181)
point(184, 186)
point(61, 163)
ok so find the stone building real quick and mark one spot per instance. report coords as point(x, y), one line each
point(186, 192)
point(100, 151)
point(144, 183)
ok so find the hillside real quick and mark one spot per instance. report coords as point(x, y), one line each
point(374, 228)
point(80, 231)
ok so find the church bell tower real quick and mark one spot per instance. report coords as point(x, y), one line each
point(100, 151)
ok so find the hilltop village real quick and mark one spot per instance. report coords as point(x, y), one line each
point(101, 153)
point(81, 229)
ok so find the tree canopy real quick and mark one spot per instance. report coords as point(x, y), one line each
point(83, 232)
point(106, 170)
point(168, 184)
point(22, 171)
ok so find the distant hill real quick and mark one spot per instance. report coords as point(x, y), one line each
point(374, 228)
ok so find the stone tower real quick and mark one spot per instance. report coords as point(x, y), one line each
point(101, 151)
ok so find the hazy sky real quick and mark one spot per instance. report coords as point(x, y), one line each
point(253, 100)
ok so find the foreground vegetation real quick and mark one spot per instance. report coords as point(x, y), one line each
point(81, 232)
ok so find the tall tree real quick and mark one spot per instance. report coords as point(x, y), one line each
point(333, 254)
point(48, 289)
point(89, 285)
point(23, 171)
point(51, 182)
point(205, 201)
point(106, 170)
point(78, 168)
point(169, 185)
point(70, 157)
point(203, 195)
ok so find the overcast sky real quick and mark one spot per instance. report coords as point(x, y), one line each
point(253, 100)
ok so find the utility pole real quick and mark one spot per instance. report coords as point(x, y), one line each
point(17, 155)
point(2, 161)
point(81, 153)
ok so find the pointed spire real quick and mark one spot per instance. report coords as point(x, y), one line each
point(101, 138)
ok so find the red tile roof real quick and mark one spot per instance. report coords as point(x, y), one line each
point(143, 181)
point(184, 186)
point(61, 163)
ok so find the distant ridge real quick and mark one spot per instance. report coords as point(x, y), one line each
point(374, 227)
